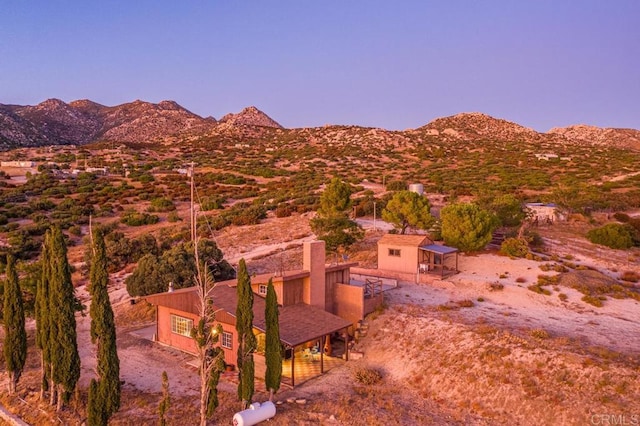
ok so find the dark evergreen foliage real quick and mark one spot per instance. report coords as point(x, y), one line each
point(246, 339)
point(103, 334)
point(65, 360)
point(273, 350)
point(15, 341)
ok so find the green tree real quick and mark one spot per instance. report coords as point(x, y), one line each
point(273, 350)
point(15, 341)
point(106, 397)
point(177, 265)
point(335, 199)
point(65, 361)
point(508, 209)
point(332, 224)
point(408, 208)
point(246, 339)
point(467, 226)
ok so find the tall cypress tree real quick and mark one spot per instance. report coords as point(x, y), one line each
point(273, 352)
point(246, 339)
point(65, 360)
point(42, 316)
point(105, 398)
point(15, 342)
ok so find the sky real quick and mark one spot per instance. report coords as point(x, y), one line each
point(388, 64)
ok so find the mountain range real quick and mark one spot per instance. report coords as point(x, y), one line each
point(54, 122)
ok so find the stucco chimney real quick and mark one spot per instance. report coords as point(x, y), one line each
point(313, 260)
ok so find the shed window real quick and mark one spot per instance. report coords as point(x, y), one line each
point(227, 340)
point(394, 252)
point(180, 325)
point(262, 289)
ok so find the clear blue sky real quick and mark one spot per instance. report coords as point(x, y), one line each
point(390, 64)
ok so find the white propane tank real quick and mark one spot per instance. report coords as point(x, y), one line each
point(255, 414)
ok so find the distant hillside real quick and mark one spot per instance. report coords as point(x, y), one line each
point(54, 122)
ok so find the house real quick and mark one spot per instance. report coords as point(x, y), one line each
point(18, 164)
point(318, 311)
point(412, 255)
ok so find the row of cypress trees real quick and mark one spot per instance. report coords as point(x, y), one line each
point(56, 336)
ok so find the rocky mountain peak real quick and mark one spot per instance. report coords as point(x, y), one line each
point(250, 116)
point(470, 125)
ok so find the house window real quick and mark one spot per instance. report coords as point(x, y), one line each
point(180, 325)
point(394, 252)
point(262, 289)
point(227, 340)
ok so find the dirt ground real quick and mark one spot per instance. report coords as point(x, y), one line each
point(476, 348)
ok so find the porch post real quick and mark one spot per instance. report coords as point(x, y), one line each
point(322, 355)
point(293, 367)
point(346, 343)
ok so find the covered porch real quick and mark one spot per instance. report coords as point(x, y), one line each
point(314, 341)
point(434, 259)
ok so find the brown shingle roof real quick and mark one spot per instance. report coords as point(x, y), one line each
point(298, 323)
point(404, 240)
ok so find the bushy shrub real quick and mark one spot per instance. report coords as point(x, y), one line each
point(133, 218)
point(367, 376)
point(514, 247)
point(284, 210)
point(612, 235)
point(630, 276)
point(161, 204)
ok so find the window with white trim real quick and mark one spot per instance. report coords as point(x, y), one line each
point(262, 289)
point(181, 325)
point(227, 340)
point(394, 252)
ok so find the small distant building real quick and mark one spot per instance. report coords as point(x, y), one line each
point(543, 212)
point(546, 157)
point(416, 254)
point(19, 164)
point(97, 170)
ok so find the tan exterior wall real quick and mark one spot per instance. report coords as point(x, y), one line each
point(167, 337)
point(349, 302)
point(407, 261)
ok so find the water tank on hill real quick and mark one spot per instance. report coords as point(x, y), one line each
point(418, 188)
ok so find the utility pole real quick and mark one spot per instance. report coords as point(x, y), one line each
point(374, 216)
point(192, 210)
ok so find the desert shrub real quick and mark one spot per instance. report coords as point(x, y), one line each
point(521, 280)
point(173, 217)
point(465, 303)
point(537, 288)
point(621, 217)
point(397, 185)
point(133, 218)
point(367, 376)
point(161, 204)
point(539, 333)
point(212, 203)
point(514, 247)
point(496, 286)
point(563, 297)
point(593, 300)
point(612, 235)
point(284, 210)
point(630, 276)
